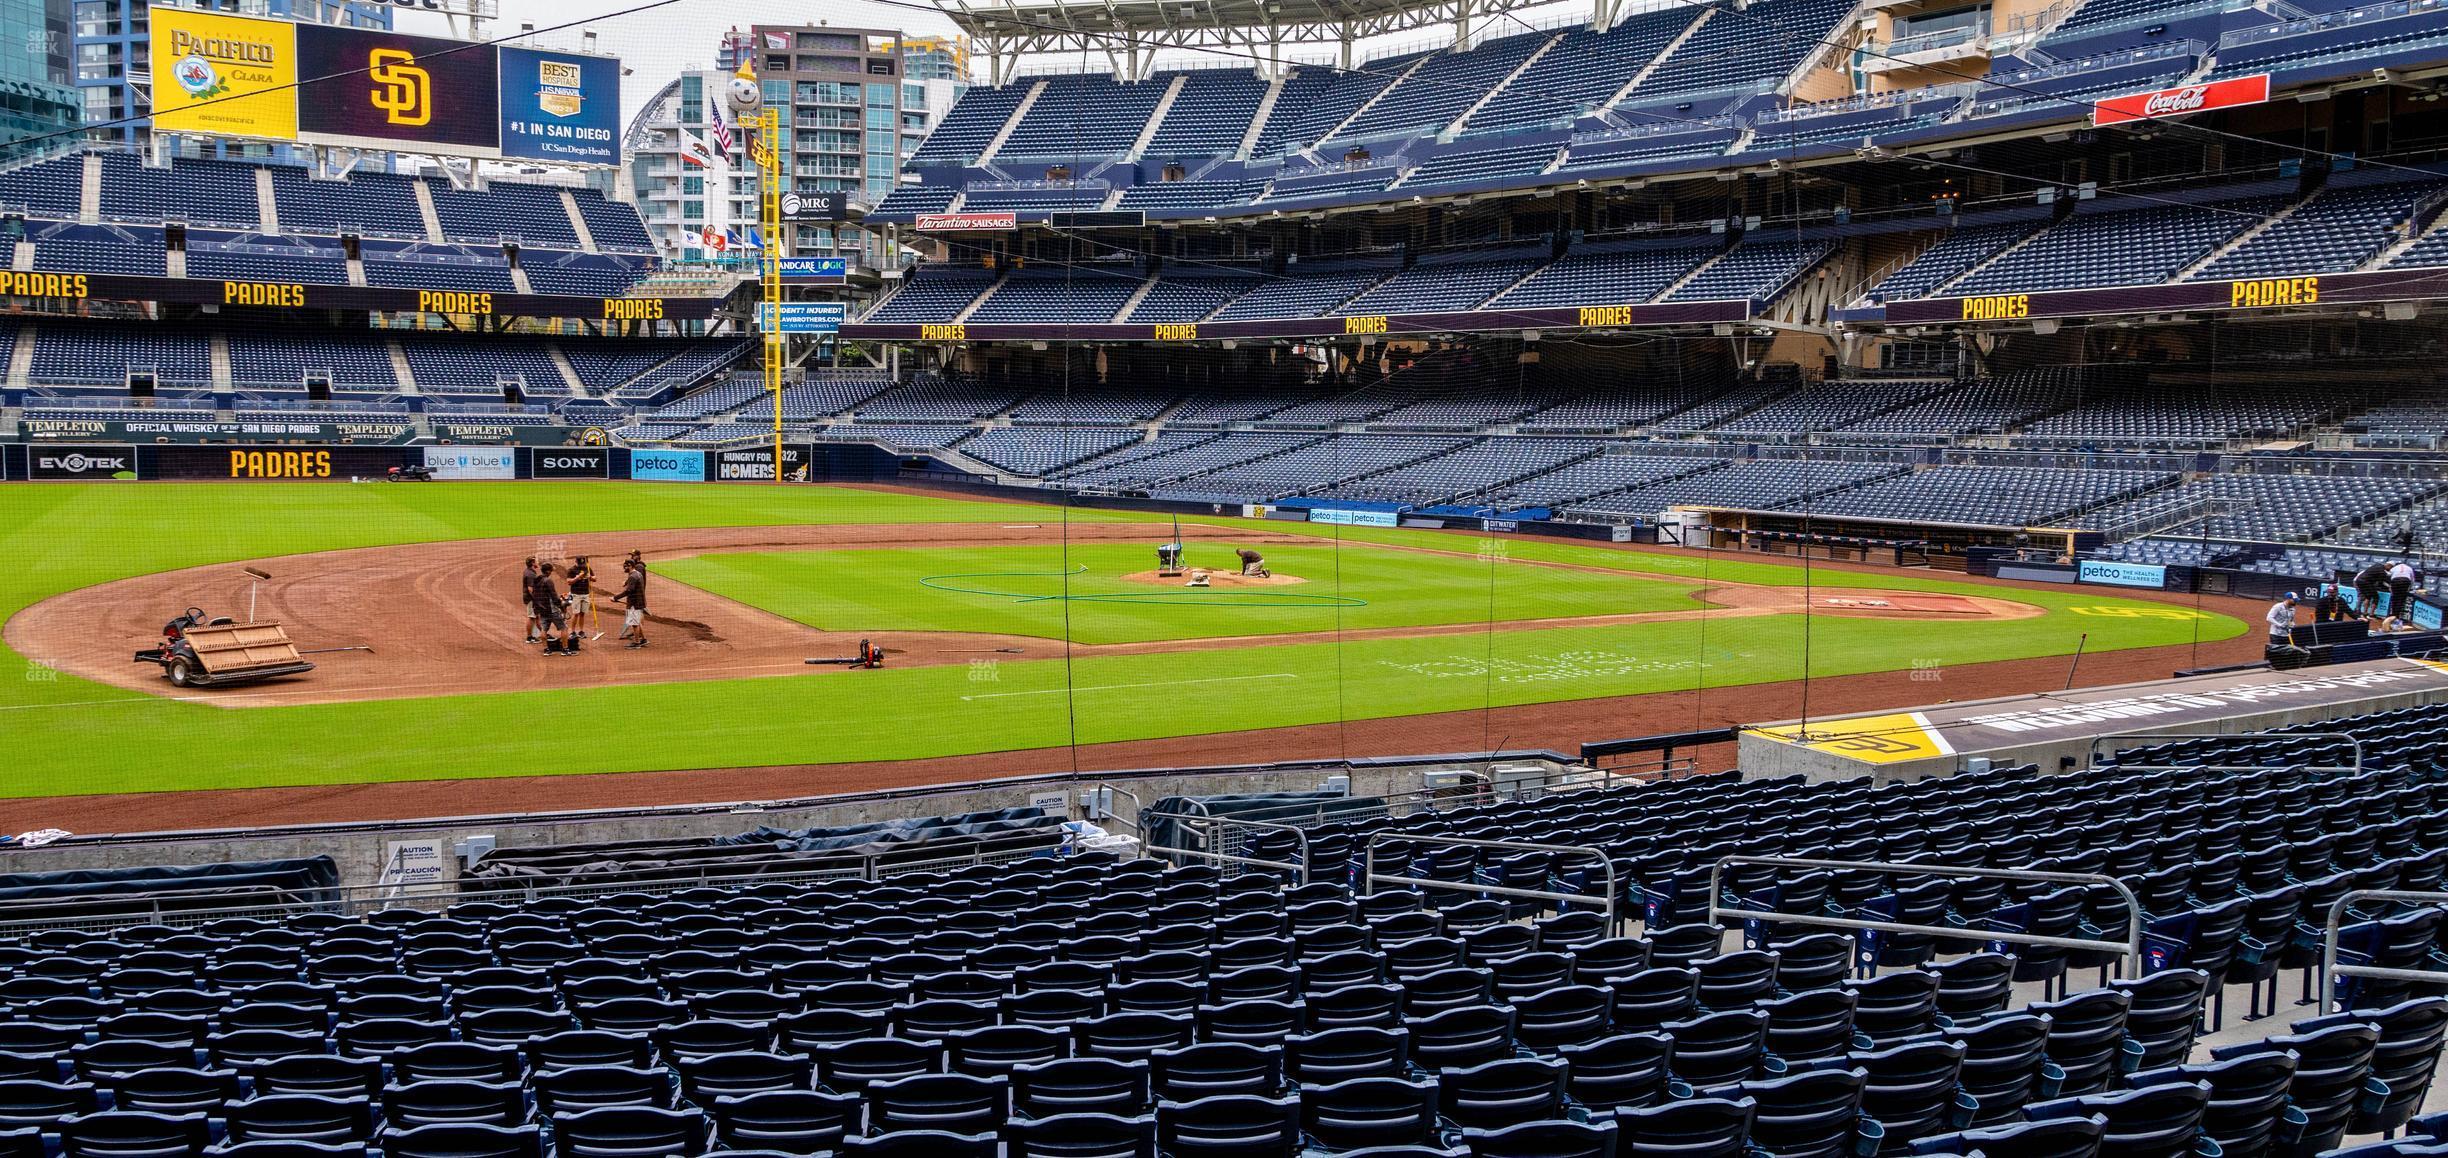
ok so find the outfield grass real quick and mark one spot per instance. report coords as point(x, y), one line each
point(69, 736)
point(1075, 593)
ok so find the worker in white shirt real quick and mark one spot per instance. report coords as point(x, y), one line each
point(2282, 621)
point(2401, 590)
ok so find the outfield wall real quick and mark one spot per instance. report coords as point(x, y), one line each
point(215, 462)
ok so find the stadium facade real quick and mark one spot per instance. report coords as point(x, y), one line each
point(857, 103)
point(37, 94)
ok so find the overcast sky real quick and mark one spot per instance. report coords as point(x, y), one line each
point(658, 45)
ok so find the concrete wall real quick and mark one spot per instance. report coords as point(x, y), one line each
point(1763, 757)
point(363, 851)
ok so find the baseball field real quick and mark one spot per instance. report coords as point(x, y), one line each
point(1006, 626)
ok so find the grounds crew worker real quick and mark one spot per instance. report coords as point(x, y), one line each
point(2282, 621)
point(633, 597)
point(1252, 563)
point(2367, 584)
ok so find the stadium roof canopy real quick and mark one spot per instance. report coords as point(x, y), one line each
point(1129, 33)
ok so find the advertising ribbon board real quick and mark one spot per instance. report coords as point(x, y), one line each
point(2184, 100)
point(80, 462)
point(667, 465)
point(472, 462)
point(958, 222)
point(560, 106)
point(2116, 574)
point(392, 90)
point(227, 75)
point(573, 462)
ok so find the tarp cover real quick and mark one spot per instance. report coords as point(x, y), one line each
point(73, 893)
point(1161, 823)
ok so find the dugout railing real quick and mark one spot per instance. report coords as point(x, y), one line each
point(2129, 950)
point(1227, 841)
point(2335, 926)
point(1370, 878)
point(2092, 758)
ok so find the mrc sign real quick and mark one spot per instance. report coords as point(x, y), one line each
point(2183, 100)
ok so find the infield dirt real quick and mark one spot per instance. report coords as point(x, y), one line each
point(445, 618)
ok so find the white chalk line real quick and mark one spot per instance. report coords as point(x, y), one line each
point(1281, 675)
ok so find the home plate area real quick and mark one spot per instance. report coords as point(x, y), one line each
point(1893, 602)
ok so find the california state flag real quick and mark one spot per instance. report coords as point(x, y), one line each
point(694, 151)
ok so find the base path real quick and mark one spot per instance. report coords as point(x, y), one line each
point(445, 618)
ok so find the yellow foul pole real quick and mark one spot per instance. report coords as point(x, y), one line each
point(768, 155)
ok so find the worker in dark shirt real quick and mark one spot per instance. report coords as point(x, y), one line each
point(582, 600)
point(633, 597)
point(527, 598)
point(2368, 584)
point(545, 598)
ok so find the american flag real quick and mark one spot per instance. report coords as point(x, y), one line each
point(722, 127)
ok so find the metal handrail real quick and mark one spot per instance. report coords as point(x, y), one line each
point(1369, 877)
point(2331, 970)
point(2130, 949)
point(1210, 826)
point(2091, 757)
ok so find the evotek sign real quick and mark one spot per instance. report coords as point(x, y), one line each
point(80, 462)
point(2184, 101)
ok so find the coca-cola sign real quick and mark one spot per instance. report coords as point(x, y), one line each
point(2184, 101)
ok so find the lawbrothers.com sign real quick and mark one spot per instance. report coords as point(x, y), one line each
point(80, 462)
point(472, 462)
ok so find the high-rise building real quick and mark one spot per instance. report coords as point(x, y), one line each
point(850, 113)
point(37, 96)
point(112, 46)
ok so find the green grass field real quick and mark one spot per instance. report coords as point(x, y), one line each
point(1048, 592)
point(69, 736)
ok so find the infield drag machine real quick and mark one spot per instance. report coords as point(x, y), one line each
point(200, 651)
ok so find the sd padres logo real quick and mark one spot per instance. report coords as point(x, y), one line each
point(406, 95)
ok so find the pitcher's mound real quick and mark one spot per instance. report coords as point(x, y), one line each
point(1215, 579)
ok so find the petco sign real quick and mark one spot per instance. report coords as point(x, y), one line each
point(667, 465)
point(2177, 102)
point(80, 462)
